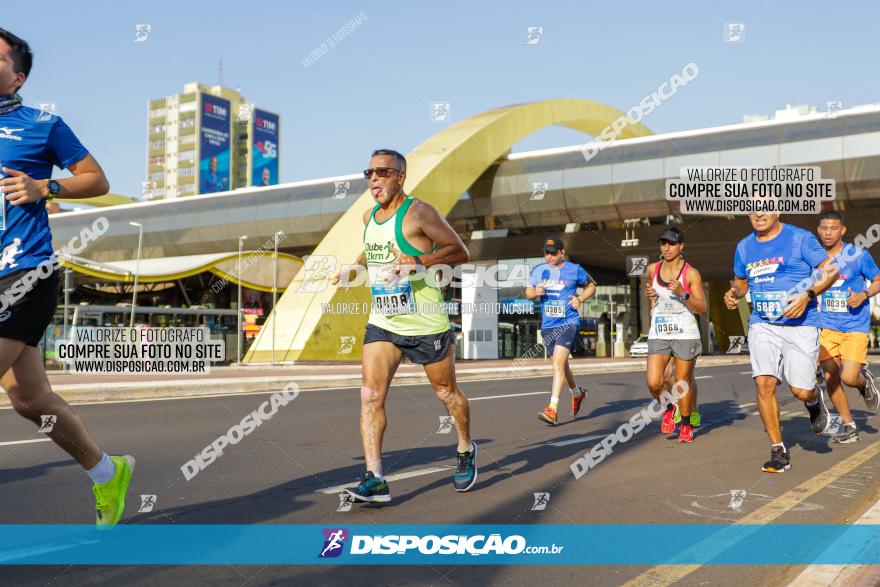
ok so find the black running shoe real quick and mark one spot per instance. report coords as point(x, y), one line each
point(820, 419)
point(848, 434)
point(779, 461)
point(870, 394)
point(370, 490)
point(466, 473)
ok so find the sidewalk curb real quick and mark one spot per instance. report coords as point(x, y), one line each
point(98, 392)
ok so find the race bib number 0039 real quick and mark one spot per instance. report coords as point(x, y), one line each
point(835, 301)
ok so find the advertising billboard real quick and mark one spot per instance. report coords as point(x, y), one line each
point(214, 141)
point(264, 152)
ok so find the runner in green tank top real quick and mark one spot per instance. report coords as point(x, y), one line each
point(407, 317)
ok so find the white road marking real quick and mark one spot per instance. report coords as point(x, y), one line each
point(704, 377)
point(473, 399)
point(8, 443)
point(748, 405)
point(577, 440)
point(745, 372)
point(396, 477)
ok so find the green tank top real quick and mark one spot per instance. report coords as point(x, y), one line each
point(407, 306)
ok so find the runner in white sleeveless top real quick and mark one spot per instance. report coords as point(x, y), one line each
point(676, 293)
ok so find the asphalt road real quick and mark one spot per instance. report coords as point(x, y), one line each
point(286, 471)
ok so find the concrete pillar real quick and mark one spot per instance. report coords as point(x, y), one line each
point(479, 315)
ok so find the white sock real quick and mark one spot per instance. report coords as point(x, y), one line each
point(103, 471)
point(780, 444)
point(378, 475)
point(574, 390)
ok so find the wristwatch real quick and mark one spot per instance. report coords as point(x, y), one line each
point(811, 294)
point(54, 189)
point(686, 296)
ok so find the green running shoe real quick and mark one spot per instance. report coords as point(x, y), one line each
point(695, 419)
point(676, 418)
point(370, 490)
point(110, 496)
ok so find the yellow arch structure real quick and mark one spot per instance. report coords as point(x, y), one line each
point(438, 172)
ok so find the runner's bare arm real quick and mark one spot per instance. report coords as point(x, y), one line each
point(739, 288)
point(649, 284)
point(697, 301)
point(450, 248)
point(798, 304)
point(88, 181)
point(857, 299)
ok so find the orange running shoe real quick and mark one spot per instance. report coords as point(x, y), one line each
point(577, 399)
point(548, 415)
point(686, 433)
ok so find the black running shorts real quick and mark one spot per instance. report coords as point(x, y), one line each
point(27, 307)
point(423, 350)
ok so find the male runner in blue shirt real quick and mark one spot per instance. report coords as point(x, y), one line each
point(775, 265)
point(846, 318)
point(31, 143)
point(555, 282)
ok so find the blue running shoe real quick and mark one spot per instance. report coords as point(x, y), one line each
point(466, 474)
point(370, 490)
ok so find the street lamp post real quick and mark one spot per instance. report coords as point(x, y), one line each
point(241, 240)
point(137, 267)
point(275, 238)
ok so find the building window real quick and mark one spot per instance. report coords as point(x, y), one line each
point(157, 160)
point(187, 123)
point(187, 155)
point(156, 176)
point(186, 171)
point(188, 107)
point(157, 144)
point(187, 187)
point(187, 139)
point(157, 128)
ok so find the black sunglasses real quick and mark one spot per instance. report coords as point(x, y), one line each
point(380, 171)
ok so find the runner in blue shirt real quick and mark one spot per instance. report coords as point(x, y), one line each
point(32, 142)
point(775, 265)
point(555, 282)
point(846, 318)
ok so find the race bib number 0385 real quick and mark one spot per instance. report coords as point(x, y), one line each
point(555, 309)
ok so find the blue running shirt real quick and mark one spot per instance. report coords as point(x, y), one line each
point(856, 265)
point(774, 269)
point(32, 141)
point(559, 283)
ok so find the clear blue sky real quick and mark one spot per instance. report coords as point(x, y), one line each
point(374, 88)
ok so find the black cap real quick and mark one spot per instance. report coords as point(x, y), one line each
point(553, 245)
point(672, 234)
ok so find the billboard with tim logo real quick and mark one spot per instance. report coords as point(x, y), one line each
point(265, 135)
point(214, 145)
